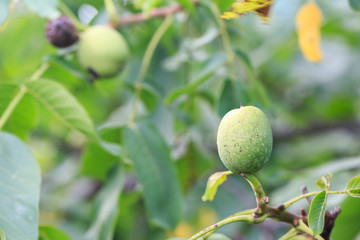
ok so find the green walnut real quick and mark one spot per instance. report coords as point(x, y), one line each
point(102, 51)
point(218, 236)
point(244, 140)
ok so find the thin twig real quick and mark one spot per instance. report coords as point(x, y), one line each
point(304, 190)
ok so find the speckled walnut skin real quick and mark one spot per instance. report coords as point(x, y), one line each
point(244, 140)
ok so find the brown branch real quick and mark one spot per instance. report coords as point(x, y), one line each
point(305, 191)
point(155, 13)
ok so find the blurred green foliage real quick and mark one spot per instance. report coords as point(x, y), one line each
point(151, 171)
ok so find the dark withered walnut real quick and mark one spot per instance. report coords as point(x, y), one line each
point(61, 32)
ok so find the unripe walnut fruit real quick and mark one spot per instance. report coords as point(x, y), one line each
point(102, 51)
point(244, 140)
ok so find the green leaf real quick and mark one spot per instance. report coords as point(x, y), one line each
point(20, 189)
point(63, 105)
point(187, 4)
point(45, 8)
point(321, 182)
point(96, 162)
point(156, 172)
point(355, 4)
point(148, 95)
point(233, 94)
point(4, 10)
point(317, 212)
point(213, 183)
point(106, 205)
point(255, 86)
point(22, 119)
point(347, 223)
point(52, 233)
point(353, 187)
point(215, 62)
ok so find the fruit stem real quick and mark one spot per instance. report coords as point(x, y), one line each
point(111, 11)
point(261, 198)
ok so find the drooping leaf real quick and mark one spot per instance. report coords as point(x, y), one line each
point(308, 21)
point(63, 105)
point(156, 172)
point(20, 189)
point(214, 181)
point(355, 4)
point(4, 10)
point(22, 119)
point(317, 212)
point(45, 8)
point(106, 205)
point(52, 233)
point(241, 7)
point(353, 187)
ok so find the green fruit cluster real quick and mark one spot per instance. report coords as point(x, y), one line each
point(244, 140)
point(102, 50)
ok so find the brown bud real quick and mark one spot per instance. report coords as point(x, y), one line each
point(61, 32)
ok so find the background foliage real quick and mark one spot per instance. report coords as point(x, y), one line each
point(123, 158)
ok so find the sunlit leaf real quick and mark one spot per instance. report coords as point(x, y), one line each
point(52, 233)
point(63, 105)
point(239, 8)
point(213, 183)
point(20, 189)
point(353, 187)
point(308, 21)
point(317, 212)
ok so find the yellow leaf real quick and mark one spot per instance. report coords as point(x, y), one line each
point(261, 7)
point(214, 181)
point(308, 22)
point(229, 15)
